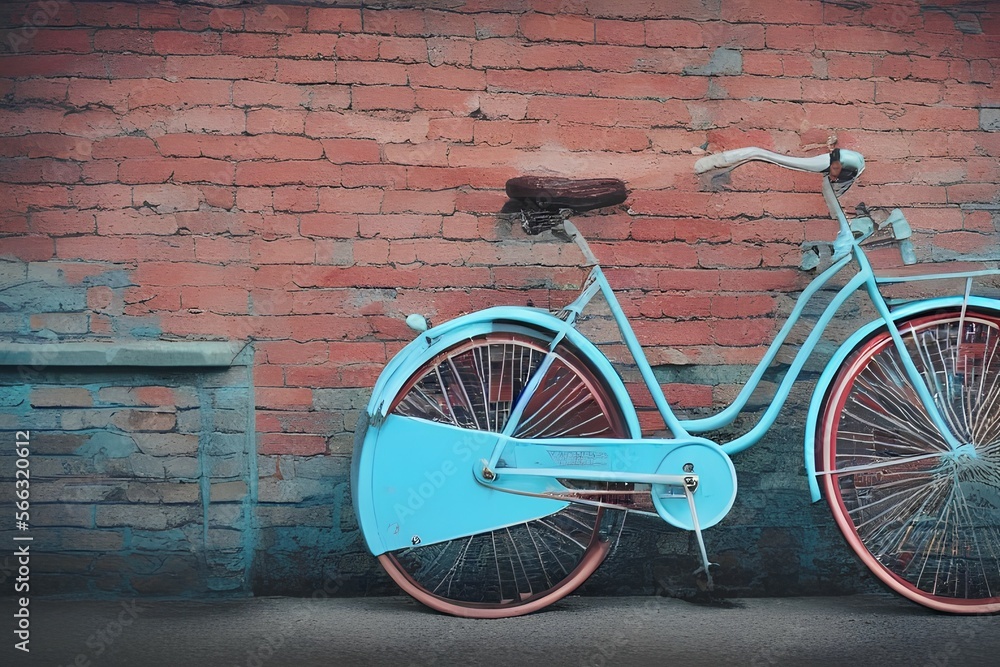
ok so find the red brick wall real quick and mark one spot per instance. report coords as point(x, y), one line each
point(305, 176)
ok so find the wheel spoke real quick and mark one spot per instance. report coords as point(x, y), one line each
point(474, 385)
point(925, 519)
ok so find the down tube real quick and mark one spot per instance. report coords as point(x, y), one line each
point(784, 389)
point(731, 412)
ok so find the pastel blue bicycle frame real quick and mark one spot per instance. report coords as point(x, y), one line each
point(525, 471)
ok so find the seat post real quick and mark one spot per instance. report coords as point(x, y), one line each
point(580, 242)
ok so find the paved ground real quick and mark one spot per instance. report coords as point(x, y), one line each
point(582, 632)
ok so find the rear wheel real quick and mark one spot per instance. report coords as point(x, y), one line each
point(521, 568)
point(923, 518)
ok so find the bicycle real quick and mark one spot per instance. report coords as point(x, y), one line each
point(496, 446)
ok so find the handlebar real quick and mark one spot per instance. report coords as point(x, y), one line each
point(843, 166)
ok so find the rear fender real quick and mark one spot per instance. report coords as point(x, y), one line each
point(433, 341)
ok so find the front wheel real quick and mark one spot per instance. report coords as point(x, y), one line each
point(474, 385)
point(924, 518)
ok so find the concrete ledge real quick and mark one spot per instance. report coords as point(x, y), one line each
point(133, 353)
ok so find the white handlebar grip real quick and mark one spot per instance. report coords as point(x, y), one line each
point(726, 159)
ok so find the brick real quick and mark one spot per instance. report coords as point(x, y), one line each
point(221, 250)
point(167, 444)
point(674, 34)
point(452, 24)
point(123, 147)
point(133, 222)
point(453, 129)
point(61, 397)
point(380, 176)
point(39, 90)
point(288, 172)
point(144, 420)
point(350, 200)
point(372, 74)
point(135, 41)
point(273, 120)
point(264, 93)
point(126, 66)
point(358, 47)
point(29, 248)
point(211, 67)
point(327, 96)
point(402, 49)
point(283, 251)
point(455, 102)
point(208, 119)
point(107, 14)
point(442, 202)
point(289, 352)
point(264, 146)
point(14, 223)
point(222, 492)
point(221, 300)
point(274, 18)
point(180, 94)
point(296, 199)
point(283, 398)
point(305, 45)
point(62, 223)
point(427, 153)
point(167, 198)
point(323, 19)
point(351, 151)
point(145, 518)
point(442, 51)
point(495, 25)
point(249, 44)
point(989, 120)
point(203, 170)
point(165, 273)
point(56, 64)
point(307, 71)
point(446, 76)
point(267, 376)
point(159, 16)
point(368, 98)
point(59, 41)
point(561, 28)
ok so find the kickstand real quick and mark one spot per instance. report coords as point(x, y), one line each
point(705, 565)
point(620, 529)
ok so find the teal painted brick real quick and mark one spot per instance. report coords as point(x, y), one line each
point(108, 445)
point(114, 279)
point(37, 297)
point(227, 444)
point(231, 421)
point(158, 540)
point(235, 398)
point(13, 396)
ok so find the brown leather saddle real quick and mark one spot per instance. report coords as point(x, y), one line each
point(545, 201)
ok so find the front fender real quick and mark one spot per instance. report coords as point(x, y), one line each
point(833, 366)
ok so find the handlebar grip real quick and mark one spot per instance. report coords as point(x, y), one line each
point(725, 159)
point(818, 164)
